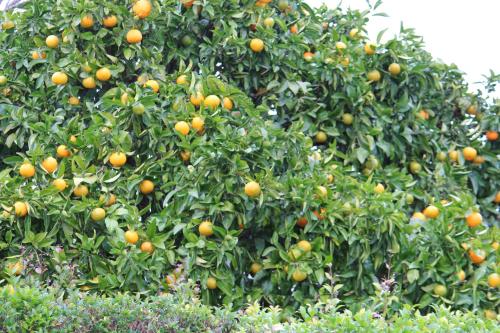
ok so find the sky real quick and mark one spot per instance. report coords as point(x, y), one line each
point(462, 32)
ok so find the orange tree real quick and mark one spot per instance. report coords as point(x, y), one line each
point(115, 171)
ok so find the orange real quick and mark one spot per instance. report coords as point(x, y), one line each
point(81, 191)
point(252, 189)
point(198, 124)
point(146, 186)
point(330, 178)
point(257, 45)
point(131, 236)
point(153, 84)
point(495, 245)
point(212, 102)
point(211, 283)
point(206, 228)
point(182, 127)
point(294, 29)
point(423, 114)
point(477, 256)
point(110, 21)
point(340, 46)
point(494, 280)
point(370, 48)
point(255, 268)
point(474, 219)
point(440, 290)
point(308, 56)
point(3, 80)
point(35, 55)
point(304, 246)
point(62, 151)
point(142, 8)
point(60, 184)
point(118, 159)
point(299, 276)
point(469, 153)
point(98, 214)
point(73, 100)
point(419, 216)
point(170, 280)
point(269, 22)
point(461, 275)
point(59, 78)
point(89, 83)
point(147, 247)
point(453, 155)
point(16, 267)
point(441, 156)
point(472, 110)
point(321, 214)
point(490, 314)
point(134, 36)
point(321, 137)
point(374, 75)
point(345, 61)
point(394, 69)
point(187, 3)
point(322, 191)
point(87, 22)
point(49, 164)
point(347, 119)
point(379, 188)
point(492, 135)
point(197, 99)
point(52, 41)
point(27, 170)
point(111, 200)
point(185, 155)
point(497, 198)
point(415, 167)
point(7, 25)
point(181, 79)
point(354, 33)
point(227, 103)
point(431, 212)
point(103, 74)
point(302, 222)
point(20, 209)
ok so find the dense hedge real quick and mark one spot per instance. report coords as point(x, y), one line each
point(31, 309)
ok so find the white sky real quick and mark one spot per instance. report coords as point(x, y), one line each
point(463, 32)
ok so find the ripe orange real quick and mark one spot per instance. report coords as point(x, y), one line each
point(187, 3)
point(27, 170)
point(211, 283)
point(206, 228)
point(370, 48)
point(81, 191)
point(20, 209)
point(321, 137)
point(492, 135)
point(419, 216)
point(299, 276)
point(103, 74)
point(110, 21)
point(294, 29)
point(89, 83)
point(60, 184)
point(252, 189)
point(185, 155)
point(35, 55)
point(494, 280)
point(308, 56)
point(197, 99)
point(477, 256)
point(255, 268)
point(73, 100)
point(211, 102)
point(469, 153)
point(227, 103)
point(379, 188)
point(59, 78)
point(111, 200)
point(62, 151)
point(304, 246)
point(147, 247)
point(146, 186)
point(497, 198)
point(302, 222)
point(87, 22)
point(423, 114)
point(330, 178)
point(198, 124)
point(117, 159)
point(182, 127)
point(170, 280)
point(142, 8)
point(431, 212)
point(257, 45)
point(321, 214)
point(472, 110)
point(345, 61)
point(98, 214)
point(394, 69)
point(52, 41)
point(474, 219)
point(181, 79)
point(374, 75)
point(131, 236)
point(49, 164)
point(453, 155)
point(134, 36)
point(153, 84)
